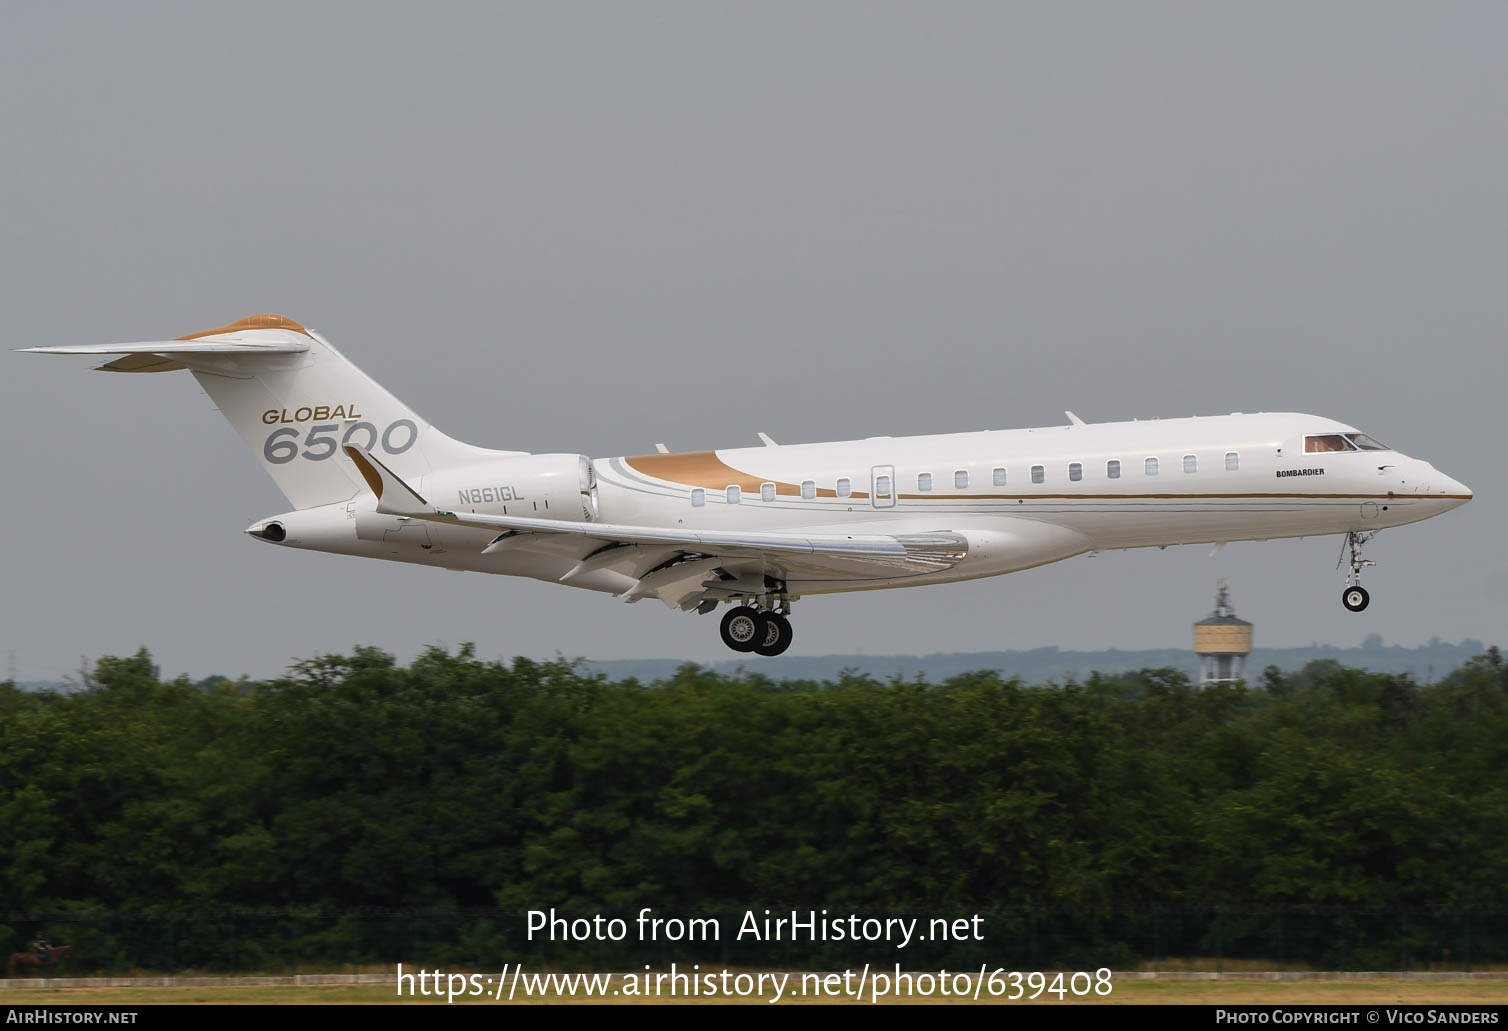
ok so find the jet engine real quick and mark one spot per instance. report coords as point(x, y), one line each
point(541, 486)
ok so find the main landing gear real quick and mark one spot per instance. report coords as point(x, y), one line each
point(1355, 596)
point(747, 629)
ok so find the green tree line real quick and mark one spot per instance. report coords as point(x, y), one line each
point(458, 784)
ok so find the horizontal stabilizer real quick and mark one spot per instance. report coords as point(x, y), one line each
point(177, 347)
point(167, 355)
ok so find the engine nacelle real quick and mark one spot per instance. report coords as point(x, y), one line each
point(543, 486)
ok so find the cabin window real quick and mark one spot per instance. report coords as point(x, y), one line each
point(808, 489)
point(961, 479)
point(1190, 464)
point(882, 486)
point(735, 494)
point(766, 492)
point(845, 488)
point(1039, 474)
point(1075, 471)
point(1113, 469)
point(924, 481)
point(698, 497)
point(1232, 461)
point(1151, 467)
point(1327, 442)
point(999, 476)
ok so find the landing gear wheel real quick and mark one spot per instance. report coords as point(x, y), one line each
point(777, 635)
point(1355, 597)
point(742, 628)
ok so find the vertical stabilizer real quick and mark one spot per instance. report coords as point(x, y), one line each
point(296, 401)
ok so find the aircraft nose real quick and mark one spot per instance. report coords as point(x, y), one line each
point(1453, 488)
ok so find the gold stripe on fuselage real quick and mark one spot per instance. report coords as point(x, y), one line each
point(704, 469)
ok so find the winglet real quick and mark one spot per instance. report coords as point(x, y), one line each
point(394, 497)
point(1074, 419)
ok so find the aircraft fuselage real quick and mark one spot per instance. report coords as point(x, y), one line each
point(1047, 493)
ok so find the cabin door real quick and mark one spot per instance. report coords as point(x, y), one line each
point(882, 486)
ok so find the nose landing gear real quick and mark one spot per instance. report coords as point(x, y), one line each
point(1355, 597)
point(747, 629)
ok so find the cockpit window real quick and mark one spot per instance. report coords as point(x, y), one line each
point(1342, 442)
point(1327, 442)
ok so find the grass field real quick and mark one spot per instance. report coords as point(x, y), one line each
point(1289, 993)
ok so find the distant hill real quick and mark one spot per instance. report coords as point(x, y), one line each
point(1039, 665)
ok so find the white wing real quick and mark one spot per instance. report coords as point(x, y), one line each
point(686, 568)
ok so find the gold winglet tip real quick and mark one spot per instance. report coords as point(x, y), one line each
point(368, 473)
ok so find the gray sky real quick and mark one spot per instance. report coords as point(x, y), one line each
point(591, 227)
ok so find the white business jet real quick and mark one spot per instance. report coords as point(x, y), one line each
point(759, 527)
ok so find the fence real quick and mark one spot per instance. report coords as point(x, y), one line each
point(287, 942)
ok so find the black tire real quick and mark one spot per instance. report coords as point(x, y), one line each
point(777, 636)
point(742, 628)
point(1355, 598)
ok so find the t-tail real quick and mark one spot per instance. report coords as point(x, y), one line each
point(297, 402)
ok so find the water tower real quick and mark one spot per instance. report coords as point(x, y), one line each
point(1222, 641)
